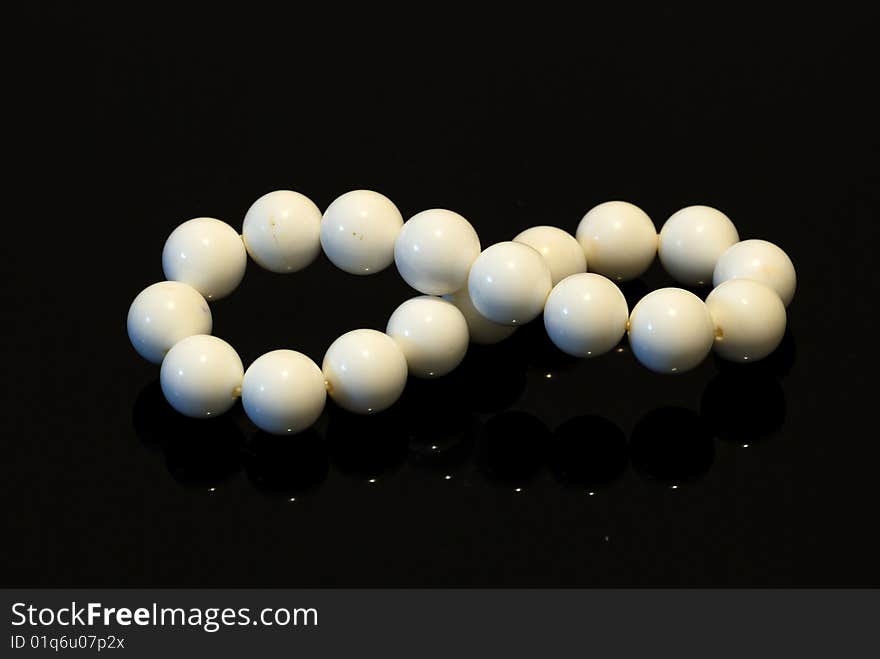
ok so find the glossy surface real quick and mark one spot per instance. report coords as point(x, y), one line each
point(585, 315)
point(432, 333)
point(509, 283)
point(619, 240)
point(759, 260)
point(358, 232)
point(749, 319)
point(164, 313)
point(282, 231)
point(481, 330)
point(691, 242)
point(561, 251)
point(283, 392)
point(365, 371)
point(207, 254)
point(434, 251)
point(670, 330)
point(201, 376)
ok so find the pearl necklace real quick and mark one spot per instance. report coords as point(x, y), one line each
point(470, 294)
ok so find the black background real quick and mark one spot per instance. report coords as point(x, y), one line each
point(126, 123)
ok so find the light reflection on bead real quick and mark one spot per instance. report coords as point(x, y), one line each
point(434, 251)
point(671, 331)
point(509, 283)
point(432, 333)
point(759, 260)
point(749, 318)
point(619, 240)
point(365, 371)
point(585, 315)
point(691, 242)
point(201, 376)
point(282, 231)
point(562, 253)
point(283, 392)
point(207, 254)
point(358, 232)
point(163, 314)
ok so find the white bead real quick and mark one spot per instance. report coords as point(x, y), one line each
point(619, 239)
point(749, 319)
point(163, 314)
point(434, 251)
point(670, 330)
point(480, 329)
point(509, 283)
point(358, 232)
point(283, 392)
point(585, 315)
point(207, 254)
point(365, 371)
point(201, 376)
point(692, 240)
point(432, 333)
point(282, 231)
point(759, 260)
point(563, 254)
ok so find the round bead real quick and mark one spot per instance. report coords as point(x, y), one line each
point(481, 330)
point(282, 231)
point(619, 240)
point(434, 251)
point(365, 371)
point(283, 392)
point(670, 330)
point(692, 240)
point(358, 232)
point(759, 260)
point(563, 254)
point(163, 314)
point(201, 376)
point(749, 319)
point(207, 254)
point(432, 333)
point(509, 283)
point(585, 315)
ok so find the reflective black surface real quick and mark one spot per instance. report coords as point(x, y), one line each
point(524, 467)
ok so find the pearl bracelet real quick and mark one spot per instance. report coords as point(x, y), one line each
point(470, 295)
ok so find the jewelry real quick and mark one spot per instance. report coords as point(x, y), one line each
point(470, 294)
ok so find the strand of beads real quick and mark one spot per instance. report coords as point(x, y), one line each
point(469, 294)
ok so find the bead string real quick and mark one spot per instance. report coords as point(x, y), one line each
point(470, 294)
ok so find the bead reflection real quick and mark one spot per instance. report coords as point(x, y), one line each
point(588, 452)
point(492, 378)
point(441, 429)
point(287, 466)
point(512, 447)
point(367, 446)
point(198, 453)
point(460, 428)
point(202, 457)
point(532, 341)
point(744, 406)
point(152, 416)
point(671, 445)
